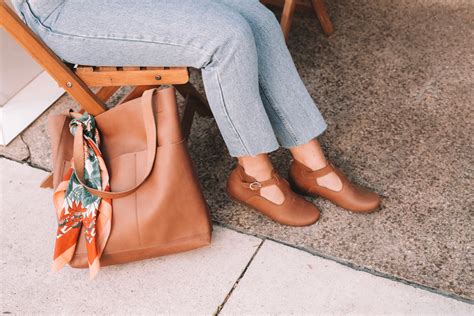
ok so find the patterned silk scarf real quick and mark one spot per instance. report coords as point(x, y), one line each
point(77, 208)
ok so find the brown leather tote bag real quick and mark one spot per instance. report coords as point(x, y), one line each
point(158, 206)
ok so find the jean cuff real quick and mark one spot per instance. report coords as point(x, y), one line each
point(317, 131)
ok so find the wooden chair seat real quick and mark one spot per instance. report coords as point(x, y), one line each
point(137, 76)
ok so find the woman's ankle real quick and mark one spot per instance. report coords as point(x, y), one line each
point(310, 154)
point(260, 167)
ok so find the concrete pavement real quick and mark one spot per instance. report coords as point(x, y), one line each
point(238, 274)
point(284, 279)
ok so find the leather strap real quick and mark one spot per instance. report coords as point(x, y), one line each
point(146, 106)
point(256, 185)
point(323, 171)
point(317, 173)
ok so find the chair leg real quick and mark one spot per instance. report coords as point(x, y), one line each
point(200, 102)
point(320, 11)
point(47, 182)
point(135, 93)
point(105, 93)
point(194, 102)
point(287, 16)
point(188, 117)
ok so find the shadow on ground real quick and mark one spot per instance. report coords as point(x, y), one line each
point(395, 83)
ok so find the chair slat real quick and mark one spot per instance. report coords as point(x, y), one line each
point(107, 68)
point(128, 68)
point(82, 69)
point(158, 76)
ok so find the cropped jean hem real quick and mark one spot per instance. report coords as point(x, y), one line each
point(316, 131)
point(263, 150)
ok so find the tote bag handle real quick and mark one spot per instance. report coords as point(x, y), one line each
point(146, 105)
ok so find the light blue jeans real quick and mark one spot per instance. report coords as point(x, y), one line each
point(256, 95)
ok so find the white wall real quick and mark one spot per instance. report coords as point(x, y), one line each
point(26, 90)
point(17, 68)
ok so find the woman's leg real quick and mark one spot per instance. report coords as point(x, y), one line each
point(293, 113)
point(201, 34)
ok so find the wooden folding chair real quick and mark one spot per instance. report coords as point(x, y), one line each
point(76, 79)
point(289, 7)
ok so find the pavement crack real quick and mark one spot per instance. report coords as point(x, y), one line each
point(28, 158)
point(221, 306)
point(352, 265)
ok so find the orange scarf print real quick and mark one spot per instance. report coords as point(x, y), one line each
point(77, 209)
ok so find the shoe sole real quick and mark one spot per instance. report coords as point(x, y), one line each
point(295, 189)
point(273, 219)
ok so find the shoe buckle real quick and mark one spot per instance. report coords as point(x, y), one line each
point(254, 186)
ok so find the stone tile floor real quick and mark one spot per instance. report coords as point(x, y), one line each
point(395, 83)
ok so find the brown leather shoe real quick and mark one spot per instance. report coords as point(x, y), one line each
point(351, 197)
point(294, 211)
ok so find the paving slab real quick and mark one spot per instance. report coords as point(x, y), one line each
point(283, 280)
point(395, 84)
point(194, 282)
